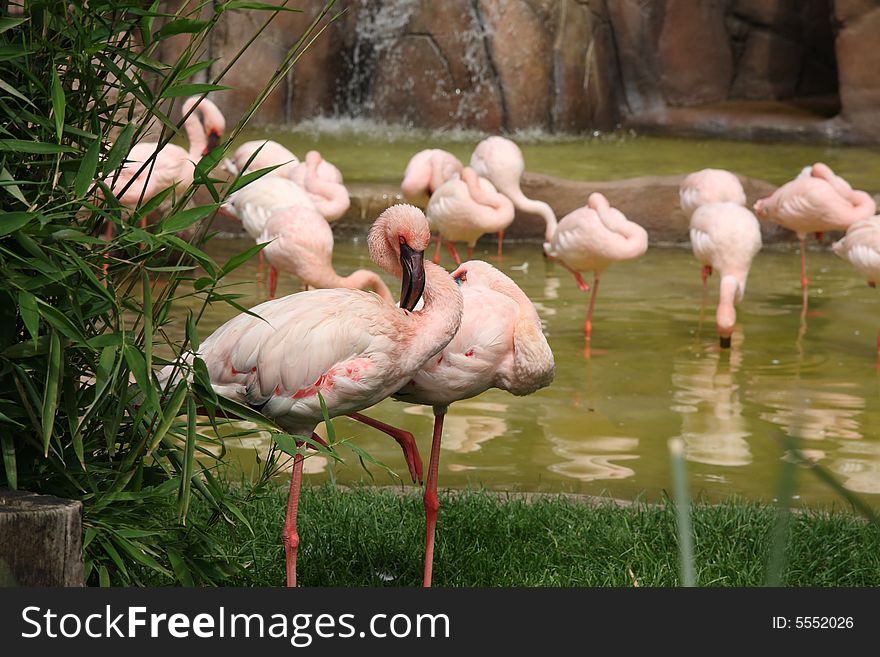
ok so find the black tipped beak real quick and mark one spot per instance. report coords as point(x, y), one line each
point(725, 342)
point(413, 279)
point(213, 141)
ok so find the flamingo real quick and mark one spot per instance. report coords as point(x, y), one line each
point(814, 202)
point(861, 247)
point(259, 154)
point(499, 344)
point(590, 239)
point(709, 186)
point(352, 347)
point(425, 172)
point(464, 208)
point(323, 182)
point(140, 179)
point(501, 161)
point(254, 203)
point(726, 236)
point(301, 243)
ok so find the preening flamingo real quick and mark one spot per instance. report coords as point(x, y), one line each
point(709, 186)
point(254, 204)
point(259, 154)
point(425, 172)
point(726, 237)
point(301, 244)
point(861, 247)
point(464, 208)
point(501, 161)
point(814, 202)
point(590, 239)
point(353, 347)
point(498, 345)
point(139, 180)
point(323, 182)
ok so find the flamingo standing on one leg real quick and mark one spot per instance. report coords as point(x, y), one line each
point(425, 172)
point(139, 179)
point(259, 154)
point(352, 347)
point(498, 345)
point(709, 186)
point(814, 202)
point(464, 208)
point(590, 239)
point(726, 237)
point(501, 161)
point(301, 243)
point(861, 247)
point(324, 184)
point(254, 204)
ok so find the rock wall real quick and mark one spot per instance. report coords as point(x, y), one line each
point(561, 65)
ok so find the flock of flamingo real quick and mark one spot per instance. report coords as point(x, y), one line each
point(449, 337)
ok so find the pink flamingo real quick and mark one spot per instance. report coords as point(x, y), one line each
point(254, 204)
point(301, 244)
point(726, 236)
point(814, 202)
point(499, 344)
point(464, 208)
point(425, 172)
point(501, 161)
point(861, 247)
point(353, 347)
point(709, 186)
point(140, 179)
point(590, 239)
point(324, 184)
point(259, 154)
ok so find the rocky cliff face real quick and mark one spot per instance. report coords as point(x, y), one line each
point(567, 65)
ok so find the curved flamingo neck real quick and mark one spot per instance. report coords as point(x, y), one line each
point(533, 206)
point(725, 315)
point(438, 320)
point(195, 134)
point(364, 279)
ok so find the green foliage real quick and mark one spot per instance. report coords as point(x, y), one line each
point(82, 414)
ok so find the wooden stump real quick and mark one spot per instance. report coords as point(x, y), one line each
point(40, 540)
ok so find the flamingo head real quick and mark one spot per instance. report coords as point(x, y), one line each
point(397, 243)
point(213, 142)
point(761, 208)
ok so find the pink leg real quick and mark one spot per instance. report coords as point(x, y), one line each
point(470, 253)
point(705, 273)
point(260, 265)
point(453, 252)
point(432, 501)
point(437, 250)
point(273, 282)
point(582, 284)
point(404, 439)
point(500, 242)
point(588, 325)
point(804, 281)
point(290, 536)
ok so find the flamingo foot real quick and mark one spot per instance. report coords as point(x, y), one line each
point(582, 284)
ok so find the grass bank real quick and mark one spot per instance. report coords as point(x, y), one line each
point(370, 537)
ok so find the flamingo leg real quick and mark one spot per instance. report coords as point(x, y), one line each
point(582, 284)
point(260, 264)
point(432, 501)
point(453, 252)
point(588, 325)
point(804, 280)
point(470, 253)
point(273, 282)
point(705, 273)
point(437, 250)
point(290, 536)
point(500, 242)
point(404, 439)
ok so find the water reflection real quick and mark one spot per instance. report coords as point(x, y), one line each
point(466, 427)
point(707, 397)
point(814, 414)
point(591, 459)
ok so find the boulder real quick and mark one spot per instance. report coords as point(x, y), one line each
point(858, 63)
point(769, 68)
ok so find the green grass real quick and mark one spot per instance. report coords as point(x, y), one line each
point(370, 537)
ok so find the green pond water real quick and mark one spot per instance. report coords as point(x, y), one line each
point(654, 370)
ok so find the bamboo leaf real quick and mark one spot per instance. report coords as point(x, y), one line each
point(181, 26)
point(7, 182)
point(192, 332)
point(8, 88)
point(87, 168)
point(9, 464)
point(13, 221)
point(237, 261)
point(50, 395)
point(27, 307)
point(185, 494)
point(61, 322)
point(103, 577)
point(178, 565)
point(194, 89)
point(120, 149)
point(7, 22)
point(192, 69)
point(172, 408)
point(34, 147)
point(182, 220)
point(59, 104)
point(258, 6)
point(138, 366)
